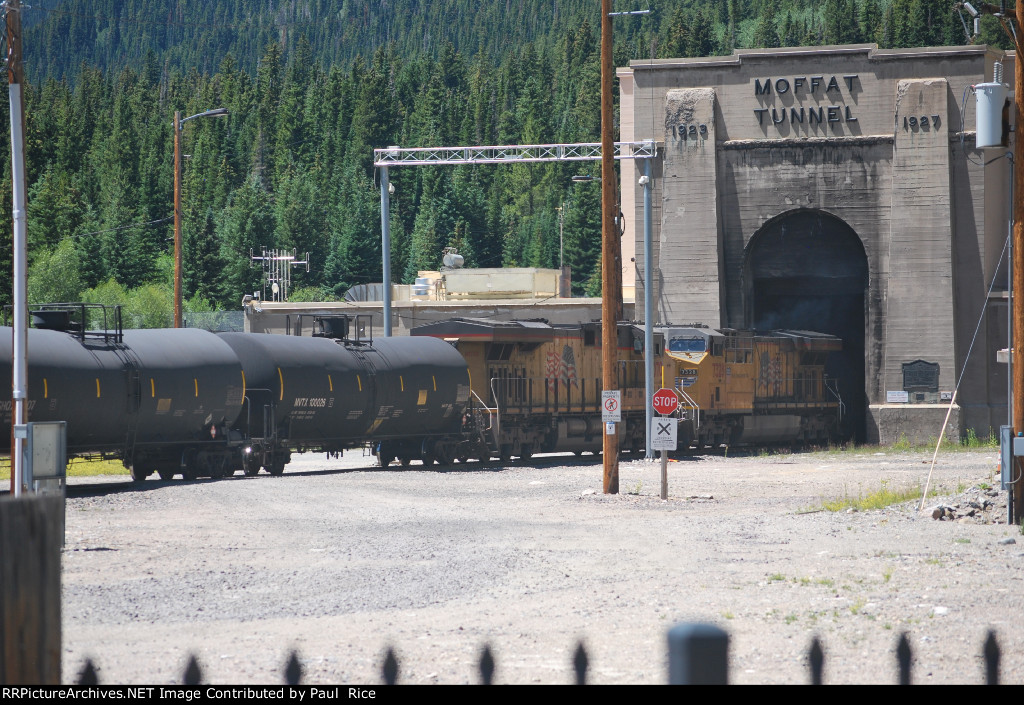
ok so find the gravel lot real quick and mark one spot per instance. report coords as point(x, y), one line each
point(338, 560)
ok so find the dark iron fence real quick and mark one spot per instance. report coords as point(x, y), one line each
point(698, 655)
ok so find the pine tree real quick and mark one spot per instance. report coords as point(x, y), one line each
point(766, 34)
point(246, 226)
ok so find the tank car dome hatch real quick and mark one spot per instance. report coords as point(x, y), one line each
point(334, 327)
point(51, 320)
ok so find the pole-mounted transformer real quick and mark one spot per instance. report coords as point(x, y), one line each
point(992, 111)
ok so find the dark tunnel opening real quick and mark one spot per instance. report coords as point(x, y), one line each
point(808, 271)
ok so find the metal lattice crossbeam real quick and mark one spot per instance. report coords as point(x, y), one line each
point(509, 154)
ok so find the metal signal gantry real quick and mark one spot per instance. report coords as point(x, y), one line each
point(508, 154)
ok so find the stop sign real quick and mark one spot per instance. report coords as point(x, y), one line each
point(665, 401)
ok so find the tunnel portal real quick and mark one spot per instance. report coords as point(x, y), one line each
point(807, 270)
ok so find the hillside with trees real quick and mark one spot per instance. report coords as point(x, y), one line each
point(312, 87)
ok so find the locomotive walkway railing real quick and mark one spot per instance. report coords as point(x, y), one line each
point(698, 654)
point(562, 394)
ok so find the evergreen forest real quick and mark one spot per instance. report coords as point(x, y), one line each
point(311, 88)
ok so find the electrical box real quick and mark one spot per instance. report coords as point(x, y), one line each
point(1010, 447)
point(45, 456)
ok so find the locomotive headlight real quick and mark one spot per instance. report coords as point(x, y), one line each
point(248, 451)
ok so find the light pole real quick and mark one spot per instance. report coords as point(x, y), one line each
point(561, 235)
point(19, 331)
point(178, 122)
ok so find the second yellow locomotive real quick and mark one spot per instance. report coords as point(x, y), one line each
point(537, 387)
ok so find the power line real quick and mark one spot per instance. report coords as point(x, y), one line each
point(127, 227)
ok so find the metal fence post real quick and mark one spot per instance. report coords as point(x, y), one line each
point(698, 654)
point(904, 658)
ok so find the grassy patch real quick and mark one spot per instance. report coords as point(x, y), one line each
point(970, 441)
point(883, 497)
point(79, 467)
point(973, 441)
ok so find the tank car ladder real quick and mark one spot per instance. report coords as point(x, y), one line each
point(488, 424)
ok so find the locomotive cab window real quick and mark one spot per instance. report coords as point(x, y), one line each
point(499, 351)
point(687, 345)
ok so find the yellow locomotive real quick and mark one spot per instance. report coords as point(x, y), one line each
point(743, 387)
point(537, 387)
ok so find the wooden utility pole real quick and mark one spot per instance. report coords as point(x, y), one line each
point(177, 219)
point(1018, 252)
point(19, 362)
point(611, 253)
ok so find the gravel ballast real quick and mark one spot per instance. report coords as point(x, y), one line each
point(338, 560)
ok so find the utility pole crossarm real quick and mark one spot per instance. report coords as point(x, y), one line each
point(510, 154)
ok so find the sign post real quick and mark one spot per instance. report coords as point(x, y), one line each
point(664, 430)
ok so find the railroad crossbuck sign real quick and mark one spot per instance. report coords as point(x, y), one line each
point(611, 406)
point(665, 401)
point(663, 433)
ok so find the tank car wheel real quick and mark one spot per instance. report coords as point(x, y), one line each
point(405, 460)
point(384, 459)
point(216, 466)
point(427, 454)
point(138, 474)
point(505, 453)
point(166, 474)
point(276, 466)
point(251, 462)
point(526, 451)
point(189, 470)
point(444, 455)
point(483, 453)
